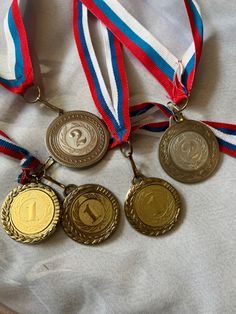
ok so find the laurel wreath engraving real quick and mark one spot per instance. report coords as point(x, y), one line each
point(68, 159)
point(10, 228)
point(73, 230)
point(132, 216)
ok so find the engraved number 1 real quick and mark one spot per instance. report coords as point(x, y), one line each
point(90, 213)
point(32, 212)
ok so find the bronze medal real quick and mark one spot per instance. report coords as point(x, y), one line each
point(91, 214)
point(152, 206)
point(30, 213)
point(77, 139)
point(189, 151)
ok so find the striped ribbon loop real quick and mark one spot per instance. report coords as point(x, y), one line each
point(115, 109)
point(28, 162)
point(144, 120)
point(176, 76)
point(16, 72)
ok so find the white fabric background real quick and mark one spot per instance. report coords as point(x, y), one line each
point(190, 270)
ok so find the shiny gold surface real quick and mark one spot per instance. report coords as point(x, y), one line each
point(152, 206)
point(30, 213)
point(189, 151)
point(91, 214)
point(77, 139)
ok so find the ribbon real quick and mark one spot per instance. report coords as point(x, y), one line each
point(115, 110)
point(144, 120)
point(16, 73)
point(28, 162)
point(176, 76)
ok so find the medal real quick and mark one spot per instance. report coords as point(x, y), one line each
point(152, 205)
point(91, 214)
point(90, 211)
point(188, 150)
point(76, 139)
point(30, 212)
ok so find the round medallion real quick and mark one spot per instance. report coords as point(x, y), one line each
point(77, 139)
point(189, 151)
point(152, 206)
point(91, 214)
point(30, 213)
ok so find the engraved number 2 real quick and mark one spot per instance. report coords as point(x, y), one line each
point(90, 213)
point(190, 149)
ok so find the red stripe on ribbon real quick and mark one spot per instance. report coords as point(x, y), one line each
point(221, 125)
point(89, 76)
point(137, 52)
point(28, 70)
point(9, 152)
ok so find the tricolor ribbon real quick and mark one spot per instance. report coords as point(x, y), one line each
point(175, 75)
point(27, 161)
point(115, 109)
point(16, 73)
point(144, 120)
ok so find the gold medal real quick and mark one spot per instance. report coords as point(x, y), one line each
point(30, 213)
point(189, 151)
point(77, 139)
point(152, 206)
point(91, 214)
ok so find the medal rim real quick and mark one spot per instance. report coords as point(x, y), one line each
point(193, 176)
point(83, 164)
point(9, 226)
point(133, 217)
point(73, 231)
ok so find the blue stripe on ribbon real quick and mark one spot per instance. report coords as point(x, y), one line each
point(197, 18)
point(187, 70)
point(153, 55)
point(226, 131)
point(19, 66)
point(199, 25)
point(155, 129)
point(226, 144)
point(167, 110)
point(122, 129)
point(92, 70)
point(13, 147)
point(141, 111)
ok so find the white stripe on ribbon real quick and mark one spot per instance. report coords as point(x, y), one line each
point(6, 139)
point(112, 106)
point(8, 59)
point(226, 137)
point(188, 55)
point(112, 81)
point(142, 32)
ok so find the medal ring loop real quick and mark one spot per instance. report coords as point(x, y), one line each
point(177, 109)
point(127, 149)
point(32, 95)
